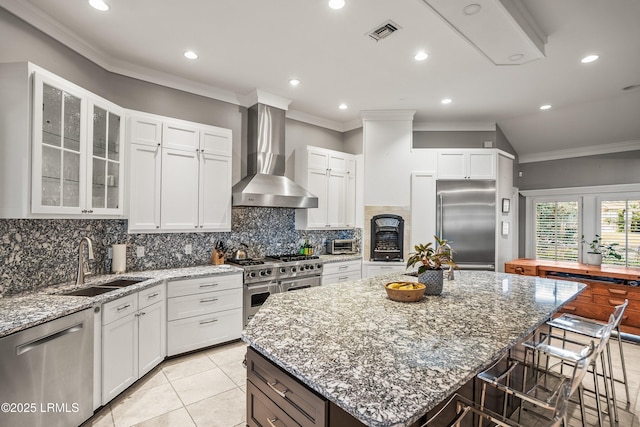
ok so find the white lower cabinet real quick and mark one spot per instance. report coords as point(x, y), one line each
point(203, 312)
point(133, 338)
point(343, 271)
point(377, 268)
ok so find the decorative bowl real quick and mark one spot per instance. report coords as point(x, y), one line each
point(396, 293)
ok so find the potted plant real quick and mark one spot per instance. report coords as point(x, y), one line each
point(431, 260)
point(598, 249)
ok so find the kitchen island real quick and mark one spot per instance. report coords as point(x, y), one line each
point(386, 363)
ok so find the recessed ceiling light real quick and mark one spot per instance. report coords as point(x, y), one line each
point(447, 101)
point(545, 107)
point(471, 9)
point(336, 4)
point(516, 57)
point(421, 56)
point(190, 54)
point(343, 106)
point(294, 82)
point(589, 58)
point(99, 4)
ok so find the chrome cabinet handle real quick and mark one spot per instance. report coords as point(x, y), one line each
point(153, 295)
point(272, 421)
point(281, 393)
point(123, 307)
point(343, 278)
point(204, 322)
point(343, 267)
point(208, 285)
point(209, 300)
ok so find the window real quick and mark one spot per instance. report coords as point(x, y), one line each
point(620, 223)
point(556, 230)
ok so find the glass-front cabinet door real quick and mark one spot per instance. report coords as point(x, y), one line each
point(59, 144)
point(105, 164)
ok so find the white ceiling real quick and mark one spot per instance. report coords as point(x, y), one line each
point(255, 44)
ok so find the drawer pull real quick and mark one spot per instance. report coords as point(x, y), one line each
point(281, 393)
point(209, 300)
point(343, 278)
point(618, 292)
point(519, 270)
point(569, 308)
point(123, 307)
point(343, 267)
point(272, 422)
point(615, 302)
point(153, 295)
point(204, 322)
point(208, 285)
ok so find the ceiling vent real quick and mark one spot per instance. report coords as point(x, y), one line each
point(502, 30)
point(383, 31)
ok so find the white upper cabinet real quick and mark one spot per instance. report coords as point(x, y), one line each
point(467, 164)
point(331, 176)
point(180, 175)
point(77, 155)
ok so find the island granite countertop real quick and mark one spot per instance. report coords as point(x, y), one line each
point(388, 363)
point(22, 311)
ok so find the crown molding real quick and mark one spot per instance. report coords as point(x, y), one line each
point(459, 126)
point(387, 115)
point(262, 97)
point(593, 150)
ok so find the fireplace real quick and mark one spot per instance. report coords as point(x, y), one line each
point(387, 233)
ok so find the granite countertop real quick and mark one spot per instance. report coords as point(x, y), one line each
point(387, 363)
point(23, 311)
point(328, 258)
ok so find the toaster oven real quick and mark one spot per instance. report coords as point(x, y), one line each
point(341, 246)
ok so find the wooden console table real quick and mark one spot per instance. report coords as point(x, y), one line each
point(607, 286)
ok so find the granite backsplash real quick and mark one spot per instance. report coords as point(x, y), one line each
point(40, 252)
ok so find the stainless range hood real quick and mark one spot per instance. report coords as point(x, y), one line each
point(265, 184)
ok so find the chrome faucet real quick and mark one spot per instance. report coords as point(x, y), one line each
point(83, 264)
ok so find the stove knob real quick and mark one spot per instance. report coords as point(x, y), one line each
point(283, 270)
point(262, 273)
point(269, 272)
point(319, 266)
point(293, 269)
point(309, 267)
point(252, 274)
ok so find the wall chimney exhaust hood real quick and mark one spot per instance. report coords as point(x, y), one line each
point(265, 184)
point(502, 30)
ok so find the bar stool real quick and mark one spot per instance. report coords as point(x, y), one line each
point(544, 347)
point(548, 382)
point(592, 329)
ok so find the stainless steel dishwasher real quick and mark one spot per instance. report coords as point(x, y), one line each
point(46, 373)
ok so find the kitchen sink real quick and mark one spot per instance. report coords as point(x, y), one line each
point(122, 283)
point(89, 292)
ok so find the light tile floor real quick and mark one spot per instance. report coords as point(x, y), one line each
point(207, 389)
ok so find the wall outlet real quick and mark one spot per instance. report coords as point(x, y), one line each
point(109, 252)
point(140, 251)
point(488, 144)
point(188, 249)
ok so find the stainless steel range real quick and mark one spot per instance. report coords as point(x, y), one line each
point(274, 274)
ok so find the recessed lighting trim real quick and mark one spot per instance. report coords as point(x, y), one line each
point(446, 101)
point(294, 82)
point(421, 56)
point(99, 5)
point(190, 55)
point(516, 57)
point(471, 9)
point(343, 106)
point(589, 58)
point(545, 107)
point(336, 4)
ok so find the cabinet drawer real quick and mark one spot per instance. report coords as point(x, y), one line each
point(199, 304)
point(376, 270)
point(631, 317)
point(341, 267)
point(612, 301)
point(262, 412)
point(150, 296)
point(341, 277)
point(588, 310)
point(119, 308)
point(300, 403)
point(178, 288)
point(524, 270)
point(616, 291)
point(202, 331)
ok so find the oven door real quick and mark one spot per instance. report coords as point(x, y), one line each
point(254, 296)
point(299, 283)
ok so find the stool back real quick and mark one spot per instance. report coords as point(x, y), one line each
point(618, 312)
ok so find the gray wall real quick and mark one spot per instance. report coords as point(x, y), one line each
point(353, 141)
point(452, 139)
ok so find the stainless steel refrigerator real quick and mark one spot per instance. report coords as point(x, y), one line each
point(466, 217)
